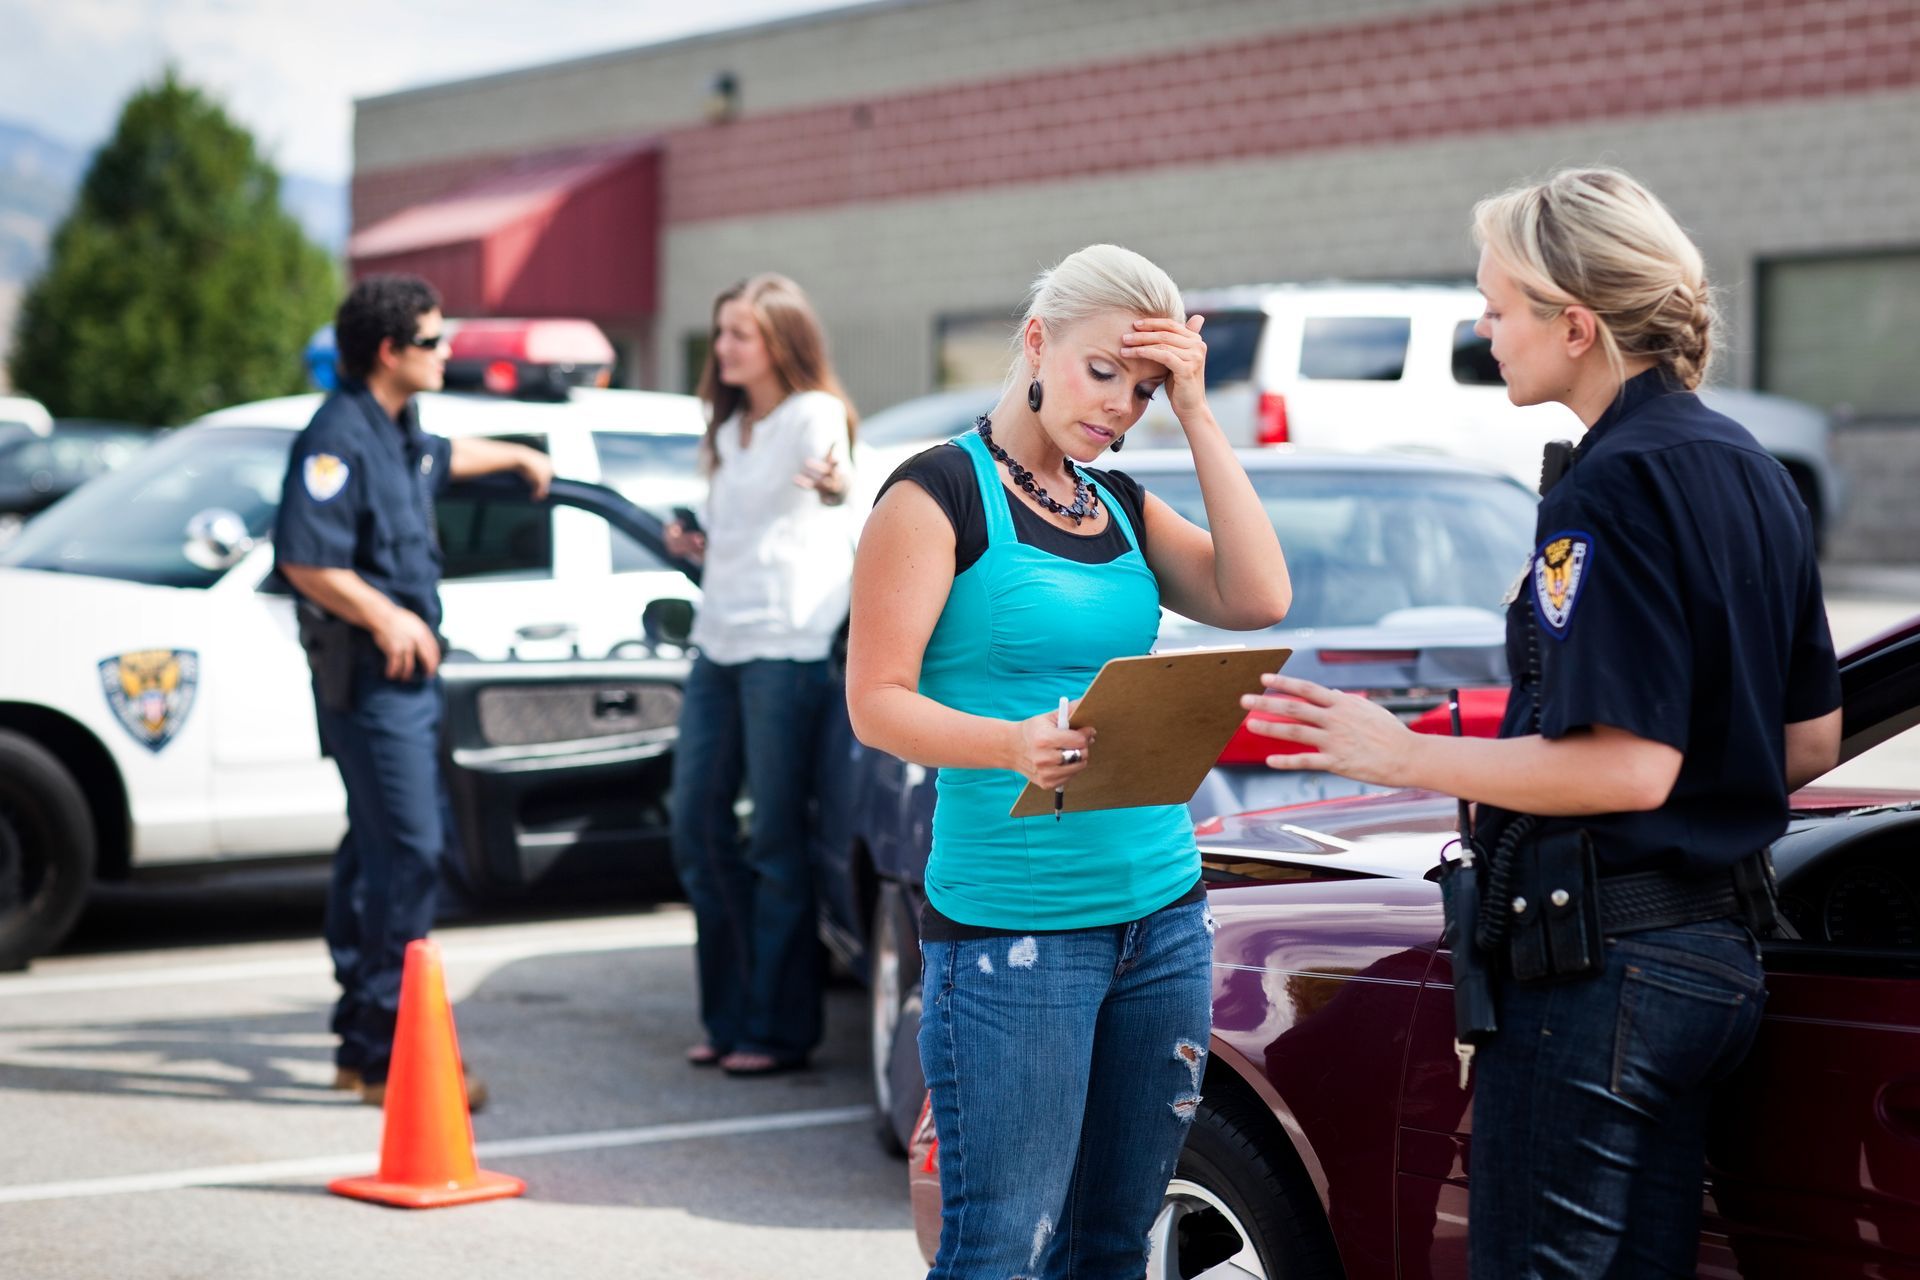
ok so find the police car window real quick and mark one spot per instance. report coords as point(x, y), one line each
point(1354, 348)
point(493, 538)
point(656, 472)
point(131, 523)
point(1473, 362)
point(1361, 545)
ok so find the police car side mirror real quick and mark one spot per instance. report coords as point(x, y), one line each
point(216, 539)
point(668, 622)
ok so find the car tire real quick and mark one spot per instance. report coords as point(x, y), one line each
point(47, 850)
point(893, 972)
point(1236, 1209)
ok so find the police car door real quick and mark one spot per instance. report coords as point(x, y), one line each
point(272, 791)
point(1814, 1149)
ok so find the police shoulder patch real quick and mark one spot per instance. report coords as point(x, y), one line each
point(1560, 569)
point(324, 475)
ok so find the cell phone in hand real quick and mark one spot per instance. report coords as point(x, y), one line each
point(688, 521)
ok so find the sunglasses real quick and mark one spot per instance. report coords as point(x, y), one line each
point(424, 341)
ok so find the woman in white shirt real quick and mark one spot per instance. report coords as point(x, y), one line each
point(778, 555)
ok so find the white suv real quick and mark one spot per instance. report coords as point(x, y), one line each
point(1397, 368)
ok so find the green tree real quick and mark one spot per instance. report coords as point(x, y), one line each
point(177, 283)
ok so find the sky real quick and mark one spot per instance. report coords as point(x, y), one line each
point(289, 70)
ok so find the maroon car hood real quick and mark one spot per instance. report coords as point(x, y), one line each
point(1401, 833)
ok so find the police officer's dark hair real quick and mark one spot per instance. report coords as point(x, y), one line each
point(1597, 238)
point(378, 308)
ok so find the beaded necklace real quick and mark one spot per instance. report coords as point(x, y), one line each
point(1084, 502)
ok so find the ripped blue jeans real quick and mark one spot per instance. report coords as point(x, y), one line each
point(1065, 1069)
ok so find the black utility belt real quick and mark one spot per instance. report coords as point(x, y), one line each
point(1560, 909)
point(1665, 900)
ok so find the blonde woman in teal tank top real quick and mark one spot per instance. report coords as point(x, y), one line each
point(1066, 962)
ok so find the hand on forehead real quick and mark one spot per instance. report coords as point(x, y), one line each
point(1100, 336)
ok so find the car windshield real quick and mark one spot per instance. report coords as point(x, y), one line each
point(132, 523)
point(935, 417)
point(1363, 546)
point(68, 455)
point(657, 472)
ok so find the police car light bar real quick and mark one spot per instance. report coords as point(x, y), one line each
point(533, 359)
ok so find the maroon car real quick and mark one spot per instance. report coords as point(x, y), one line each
point(1335, 1139)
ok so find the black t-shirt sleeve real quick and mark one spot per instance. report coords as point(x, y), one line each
point(1131, 498)
point(946, 473)
point(1813, 673)
point(1614, 642)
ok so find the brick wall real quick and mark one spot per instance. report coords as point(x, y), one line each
point(909, 161)
point(1490, 69)
point(1751, 181)
point(894, 47)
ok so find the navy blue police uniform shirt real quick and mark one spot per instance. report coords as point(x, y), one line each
point(358, 495)
point(1673, 593)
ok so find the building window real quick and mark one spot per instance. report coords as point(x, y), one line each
point(1838, 332)
point(974, 349)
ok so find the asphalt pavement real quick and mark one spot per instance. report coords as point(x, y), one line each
point(166, 1113)
point(165, 1109)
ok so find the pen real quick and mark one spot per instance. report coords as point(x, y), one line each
point(1060, 793)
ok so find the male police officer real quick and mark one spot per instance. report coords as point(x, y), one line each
point(356, 539)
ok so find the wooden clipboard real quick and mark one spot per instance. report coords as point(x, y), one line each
point(1163, 719)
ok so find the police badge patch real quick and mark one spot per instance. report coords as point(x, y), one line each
point(325, 476)
point(1559, 569)
point(151, 691)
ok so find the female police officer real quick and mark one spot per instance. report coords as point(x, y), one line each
point(1673, 680)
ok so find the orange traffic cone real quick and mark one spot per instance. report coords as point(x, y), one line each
point(426, 1152)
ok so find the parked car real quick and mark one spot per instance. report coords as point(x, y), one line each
point(1335, 1139)
point(155, 708)
point(896, 433)
point(1398, 566)
point(1398, 368)
point(37, 471)
point(23, 414)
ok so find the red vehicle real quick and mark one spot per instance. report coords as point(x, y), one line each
point(1335, 1139)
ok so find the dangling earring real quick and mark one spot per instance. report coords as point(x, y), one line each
point(1118, 441)
point(1033, 395)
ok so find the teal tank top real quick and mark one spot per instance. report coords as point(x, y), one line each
point(1021, 629)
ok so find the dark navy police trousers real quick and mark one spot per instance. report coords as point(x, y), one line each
point(388, 866)
point(1590, 1108)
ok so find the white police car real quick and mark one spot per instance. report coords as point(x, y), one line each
point(155, 705)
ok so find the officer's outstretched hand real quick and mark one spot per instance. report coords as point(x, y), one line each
point(1346, 735)
point(408, 643)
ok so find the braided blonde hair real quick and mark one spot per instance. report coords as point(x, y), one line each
point(1596, 238)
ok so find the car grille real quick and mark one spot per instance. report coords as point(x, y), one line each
point(518, 717)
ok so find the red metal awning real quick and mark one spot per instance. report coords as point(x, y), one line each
point(572, 233)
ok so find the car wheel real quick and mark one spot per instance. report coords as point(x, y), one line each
point(46, 850)
point(1235, 1212)
point(893, 970)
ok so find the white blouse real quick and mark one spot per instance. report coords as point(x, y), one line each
point(779, 566)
